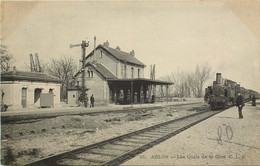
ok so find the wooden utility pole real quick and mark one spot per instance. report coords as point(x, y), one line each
point(151, 89)
point(83, 45)
point(132, 93)
point(153, 78)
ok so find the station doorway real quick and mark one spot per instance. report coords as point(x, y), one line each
point(24, 97)
point(37, 94)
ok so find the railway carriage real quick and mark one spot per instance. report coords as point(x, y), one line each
point(254, 93)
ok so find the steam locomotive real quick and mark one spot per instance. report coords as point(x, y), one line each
point(224, 92)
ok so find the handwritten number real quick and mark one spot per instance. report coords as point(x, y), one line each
point(229, 133)
point(220, 135)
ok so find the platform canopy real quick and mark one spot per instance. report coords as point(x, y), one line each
point(135, 90)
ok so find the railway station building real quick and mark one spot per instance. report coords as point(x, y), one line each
point(20, 89)
point(114, 76)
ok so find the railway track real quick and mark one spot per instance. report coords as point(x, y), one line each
point(119, 149)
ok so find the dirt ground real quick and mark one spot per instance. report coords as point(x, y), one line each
point(28, 141)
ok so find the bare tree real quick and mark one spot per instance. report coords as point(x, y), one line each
point(6, 60)
point(176, 78)
point(64, 68)
point(162, 91)
point(180, 79)
point(44, 67)
point(201, 75)
point(190, 84)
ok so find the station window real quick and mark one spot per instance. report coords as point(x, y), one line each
point(124, 71)
point(50, 90)
point(101, 54)
point(138, 73)
point(132, 72)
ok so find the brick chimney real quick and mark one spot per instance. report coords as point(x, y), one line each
point(106, 44)
point(95, 40)
point(132, 53)
point(118, 48)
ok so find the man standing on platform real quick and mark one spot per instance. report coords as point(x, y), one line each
point(253, 100)
point(240, 104)
point(92, 100)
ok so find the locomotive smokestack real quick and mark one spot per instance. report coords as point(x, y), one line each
point(218, 78)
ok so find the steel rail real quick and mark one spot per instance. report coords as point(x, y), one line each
point(132, 147)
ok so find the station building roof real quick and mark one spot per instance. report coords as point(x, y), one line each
point(111, 78)
point(28, 76)
point(103, 70)
point(100, 69)
point(119, 55)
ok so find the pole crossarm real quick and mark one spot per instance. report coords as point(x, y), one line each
point(74, 45)
point(83, 44)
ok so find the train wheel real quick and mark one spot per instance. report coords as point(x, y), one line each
point(212, 105)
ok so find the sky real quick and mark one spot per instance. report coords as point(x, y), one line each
point(173, 35)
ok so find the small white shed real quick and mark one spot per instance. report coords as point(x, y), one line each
point(21, 90)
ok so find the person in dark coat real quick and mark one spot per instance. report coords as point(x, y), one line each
point(253, 100)
point(92, 100)
point(240, 104)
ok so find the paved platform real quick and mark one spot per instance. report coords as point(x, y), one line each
point(223, 139)
point(50, 112)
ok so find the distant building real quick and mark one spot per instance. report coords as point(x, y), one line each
point(29, 90)
point(110, 76)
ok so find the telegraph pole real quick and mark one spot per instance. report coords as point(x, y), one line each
point(83, 45)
